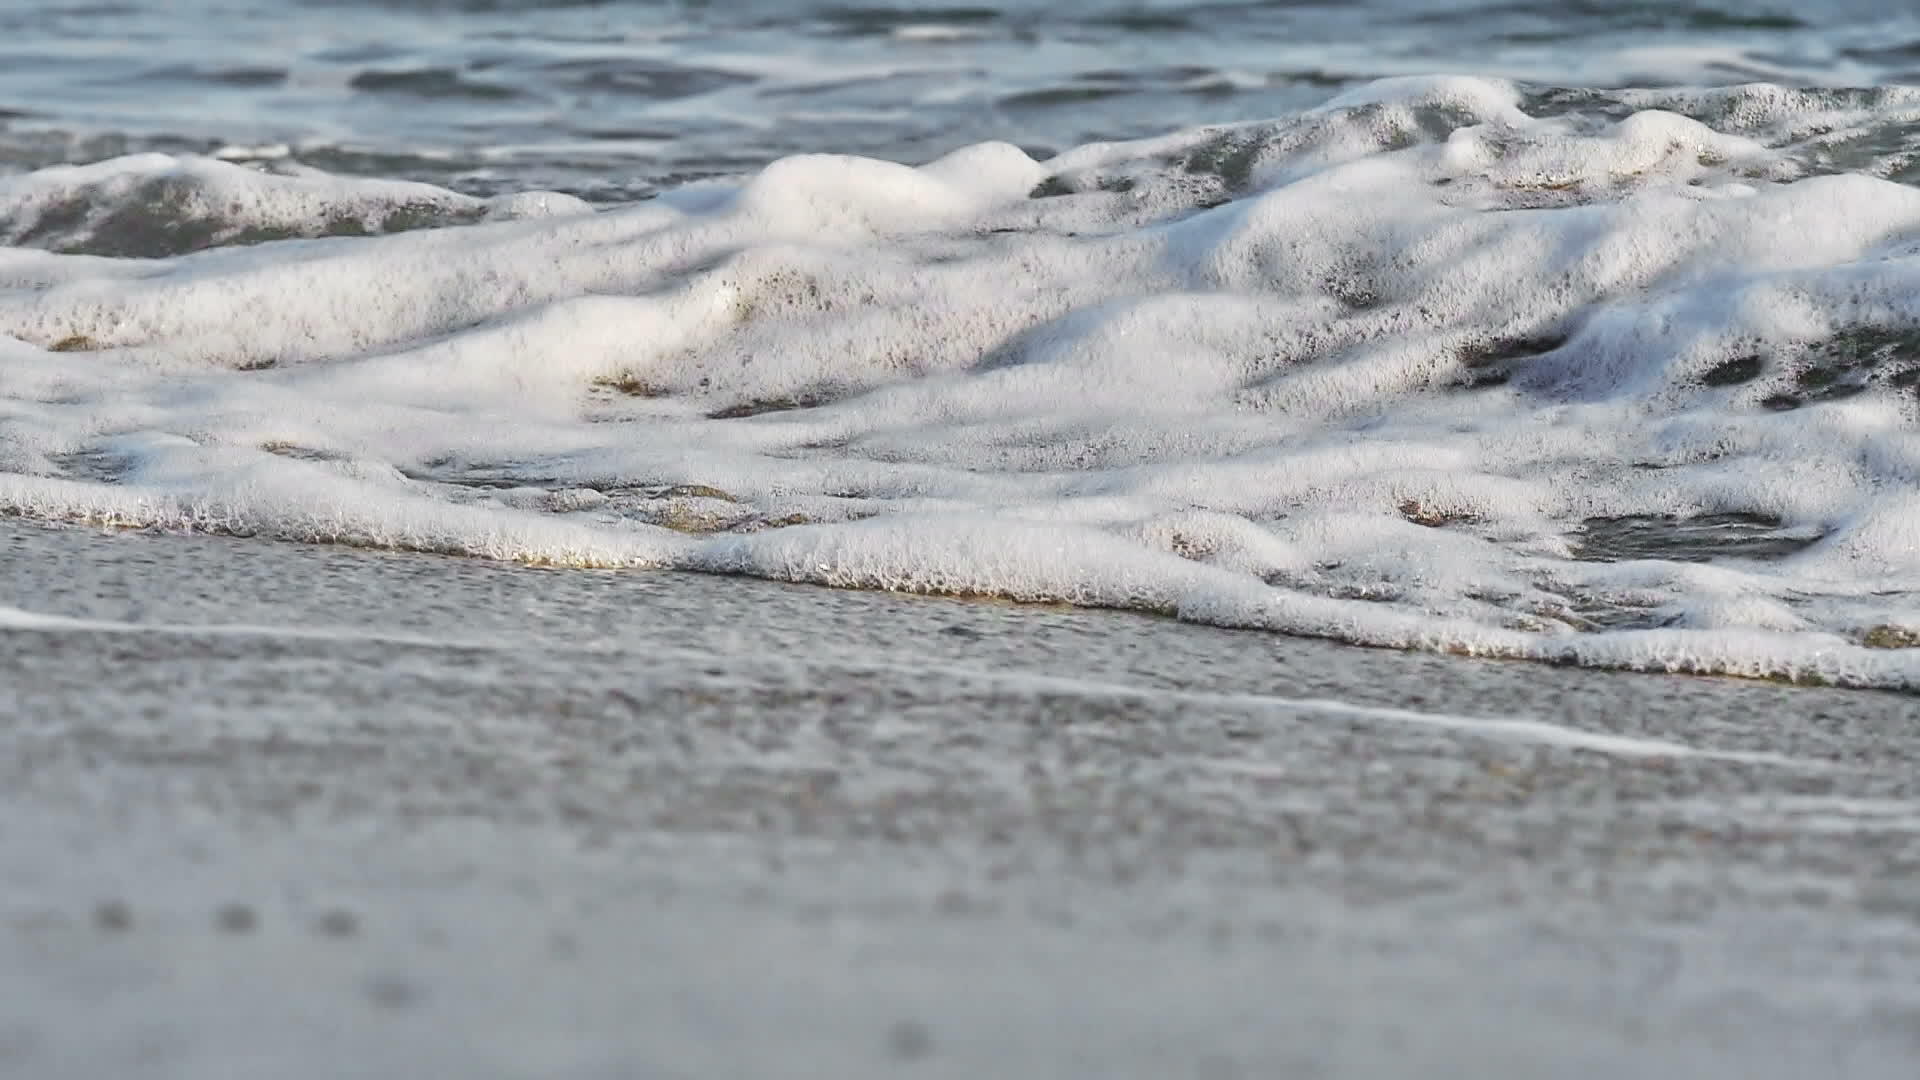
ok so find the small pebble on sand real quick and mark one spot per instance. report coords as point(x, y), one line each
point(113, 915)
point(236, 919)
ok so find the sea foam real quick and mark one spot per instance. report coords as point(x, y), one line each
point(1623, 379)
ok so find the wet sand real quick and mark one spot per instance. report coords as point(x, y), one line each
point(272, 810)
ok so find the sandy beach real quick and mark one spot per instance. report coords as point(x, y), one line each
point(302, 811)
point(529, 430)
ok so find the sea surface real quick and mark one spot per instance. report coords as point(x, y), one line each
point(616, 99)
point(1586, 332)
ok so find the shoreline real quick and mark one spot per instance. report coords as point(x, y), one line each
point(1880, 639)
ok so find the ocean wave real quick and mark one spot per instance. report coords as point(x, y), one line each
point(1613, 377)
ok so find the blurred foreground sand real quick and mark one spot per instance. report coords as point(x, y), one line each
point(356, 814)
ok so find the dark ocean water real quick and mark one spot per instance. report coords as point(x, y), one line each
point(612, 99)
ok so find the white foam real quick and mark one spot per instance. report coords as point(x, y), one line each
point(1516, 729)
point(1221, 374)
point(157, 204)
